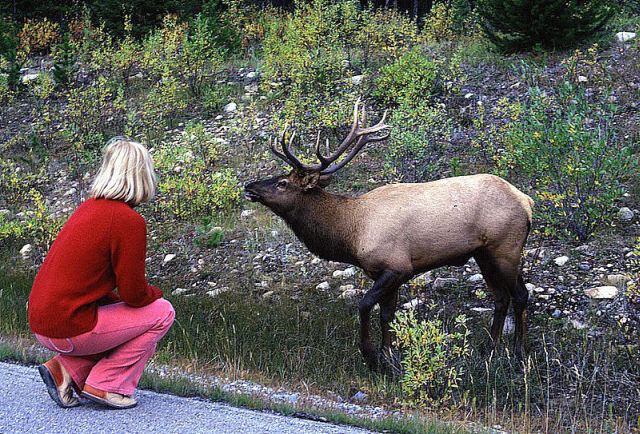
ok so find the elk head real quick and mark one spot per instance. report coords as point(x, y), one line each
point(282, 193)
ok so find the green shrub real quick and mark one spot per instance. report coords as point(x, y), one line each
point(432, 358)
point(515, 25)
point(411, 79)
point(216, 95)
point(189, 187)
point(567, 151)
point(417, 148)
point(64, 62)
point(208, 234)
point(95, 113)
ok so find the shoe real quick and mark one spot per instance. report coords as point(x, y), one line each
point(110, 399)
point(59, 384)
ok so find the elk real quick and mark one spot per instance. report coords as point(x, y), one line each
point(397, 231)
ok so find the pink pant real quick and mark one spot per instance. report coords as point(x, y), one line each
point(112, 356)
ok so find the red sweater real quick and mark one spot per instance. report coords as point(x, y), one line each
point(101, 247)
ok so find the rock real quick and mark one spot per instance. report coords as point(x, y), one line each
point(356, 80)
point(625, 36)
point(557, 313)
point(577, 324)
point(617, 280)
point(348, 272)
point(468, 95)
point(582, 79)
point(316, 261)
point(530, 287)
point(584, 266)
point(602, 292)
point(625, 215)
point(359, 397)
point(179, 291)
point(509, 326)
point(231, 107)
point(25, 251)
point(444, 282)
point(348, 291)
point(411, 304)
point(275, 233)
point(69, 192)
point(267, 295)
point(246, 213)
point(251, 75)
point(337, 274)
point(481, 309)
point(27, 78)
point(4, 212)
point(216, 292)
point(168, 258)
point(219, 117)
point(476, 278)
point(561, 260)
point(324, 286)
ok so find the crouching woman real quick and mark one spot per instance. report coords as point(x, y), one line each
point(103, 338)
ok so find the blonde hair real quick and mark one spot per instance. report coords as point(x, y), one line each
point(126, 173)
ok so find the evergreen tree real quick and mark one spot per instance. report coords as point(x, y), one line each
point(517, 25)
point(64, 62)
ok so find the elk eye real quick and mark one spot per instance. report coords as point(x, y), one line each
point(282, 183)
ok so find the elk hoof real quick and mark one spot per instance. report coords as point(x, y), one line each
point(370, 357)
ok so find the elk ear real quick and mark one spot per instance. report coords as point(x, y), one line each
point(310, 180)
point(324, 180)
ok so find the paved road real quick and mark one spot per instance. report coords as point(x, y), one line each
point(25, 407)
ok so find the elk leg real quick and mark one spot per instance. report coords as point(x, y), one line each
point(386, 281)
point(520, 299)
point(387, 312)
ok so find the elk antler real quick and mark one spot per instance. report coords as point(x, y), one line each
point(328, 165)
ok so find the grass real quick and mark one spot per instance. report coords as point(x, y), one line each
point(573, 381)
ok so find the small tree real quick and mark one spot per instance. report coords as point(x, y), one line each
point(516, 25)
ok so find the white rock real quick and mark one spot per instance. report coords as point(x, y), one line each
point(268, 294)
point(231, 107)
point(324, 286)
point(219, 117)
point(561, 260)
point(411, 304)
point(70, 192)
point(348, 291)
point(29, 77)
point(315, 261)
point(216, 292)
point(468, 95)
point(530, 287)
point(25, 251)
point(443, 282)
point(246, 213)
point(582, 79)
point(348, 272)
point(252, 75)
point(481, 309)
point(356, 80)
point(168, 258)
point(476, 278)
point(337, 274)
point(602, 292)
point(179, 291)
point(625, 214)
point(625, 36)
point(578, 325)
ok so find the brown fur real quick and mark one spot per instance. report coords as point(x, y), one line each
point(397, 231)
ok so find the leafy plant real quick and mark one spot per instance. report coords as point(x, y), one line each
point(64, 62)
point(515, 25)
point(414, 152)
point(411, 79)
point(567, 150)
point(208, 234)
point(432, 357)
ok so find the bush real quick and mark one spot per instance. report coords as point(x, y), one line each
point(516, 25)
point(38, 36)
point(189, 186)
point(567, 151)
point(416, 149)
point(432, 358)
point(208, 234)
point(411, 79)
point(64, 62)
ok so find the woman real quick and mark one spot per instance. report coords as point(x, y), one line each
point(103, 339)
